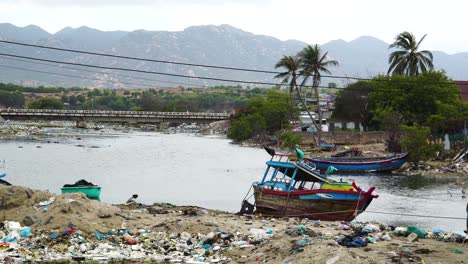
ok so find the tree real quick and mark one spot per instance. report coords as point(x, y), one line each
point(263, 115)
point(12, 99)
point(291, 64)
point(313, 63)
point(420, 100)
point(354, 104)
point(417, 143)
point(408, 60)
point(46, 103)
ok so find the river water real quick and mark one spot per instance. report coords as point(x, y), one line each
point(206, 171)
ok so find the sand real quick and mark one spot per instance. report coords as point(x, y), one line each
point(75, 211)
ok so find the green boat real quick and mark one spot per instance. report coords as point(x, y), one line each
point(90, 190)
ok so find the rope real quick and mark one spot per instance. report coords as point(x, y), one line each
point(247, 193)
point(287, 204)
point(416, 215)
point(385, 213)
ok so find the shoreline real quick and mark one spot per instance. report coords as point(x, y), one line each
point(73, 227)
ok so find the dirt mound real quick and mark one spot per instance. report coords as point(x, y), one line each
point(45, 211)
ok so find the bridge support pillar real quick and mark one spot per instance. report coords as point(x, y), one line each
point(163, 125)
point(81, 124)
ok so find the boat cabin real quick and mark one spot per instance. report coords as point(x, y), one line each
point(284, 174)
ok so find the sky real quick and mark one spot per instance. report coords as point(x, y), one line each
point(444, 22)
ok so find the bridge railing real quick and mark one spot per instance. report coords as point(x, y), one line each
point(116, 113)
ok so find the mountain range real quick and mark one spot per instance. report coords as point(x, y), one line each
point(221, 45)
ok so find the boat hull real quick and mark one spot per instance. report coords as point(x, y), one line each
point(92, 192)
point(3, 182)
point(319, 204)
point(346, 164)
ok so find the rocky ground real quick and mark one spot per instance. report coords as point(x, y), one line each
point(29, 130)
point(72, 227)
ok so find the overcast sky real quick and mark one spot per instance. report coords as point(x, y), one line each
point(445, 22)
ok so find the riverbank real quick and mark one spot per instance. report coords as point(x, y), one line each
point(36, 130)
point(72, 227)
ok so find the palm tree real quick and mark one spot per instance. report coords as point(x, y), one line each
point(291, 64)
point(408, 60)
point(313, 63)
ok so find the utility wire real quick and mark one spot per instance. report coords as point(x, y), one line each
point(141, 71)
point(185, 76)
point(81, 77)
point(114, 74)
point(209, 66)
point(135, 58)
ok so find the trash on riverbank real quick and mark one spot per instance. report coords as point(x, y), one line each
point(75, 228)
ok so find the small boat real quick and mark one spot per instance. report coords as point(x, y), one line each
point(324, 146)
point(360, 164)
point(3, 182)
point(92, 191)
point(295, 189)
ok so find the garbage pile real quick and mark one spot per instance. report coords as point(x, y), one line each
point(38, 226)
point(364, 233)
point(19, 243)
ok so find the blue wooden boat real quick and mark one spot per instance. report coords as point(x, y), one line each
point(292, 188)
point(360, 164)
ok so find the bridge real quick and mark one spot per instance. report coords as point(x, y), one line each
point(82, 117)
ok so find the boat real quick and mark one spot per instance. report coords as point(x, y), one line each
point(360, 164)
point(90, 190)
point(2, 181)
point(324, 146)
point(296, 189)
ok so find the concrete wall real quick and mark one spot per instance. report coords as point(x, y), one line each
point(347, 138)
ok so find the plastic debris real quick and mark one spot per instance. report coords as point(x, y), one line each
point(457, 251)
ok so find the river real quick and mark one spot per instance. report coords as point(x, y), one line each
point(207, 171)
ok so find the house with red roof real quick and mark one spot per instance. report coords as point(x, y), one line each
point(463, 89)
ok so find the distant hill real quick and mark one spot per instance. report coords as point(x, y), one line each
point(215, 45)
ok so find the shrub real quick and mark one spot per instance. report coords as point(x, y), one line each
point(289, 139)
point(416, 142)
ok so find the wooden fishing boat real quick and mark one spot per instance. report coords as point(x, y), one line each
point(295, 189)
point(360, 164)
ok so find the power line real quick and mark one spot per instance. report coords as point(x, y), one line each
point(141, 71)
point(114, 74)
point(135, 58)
point(196, 77)
point(80, 77)
point(181, 75)
point(208, 66)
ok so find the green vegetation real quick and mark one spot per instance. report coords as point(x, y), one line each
point(289, 139)
point(409, 108)
point(215, 99)
point(307, 64)
point(429, 99)
point(262, 116)
point(353, 104)
point(408, 60)
point(421, 100)
point(416, 142)
point(11, 99)
point(45, 103)
point(9, 87)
